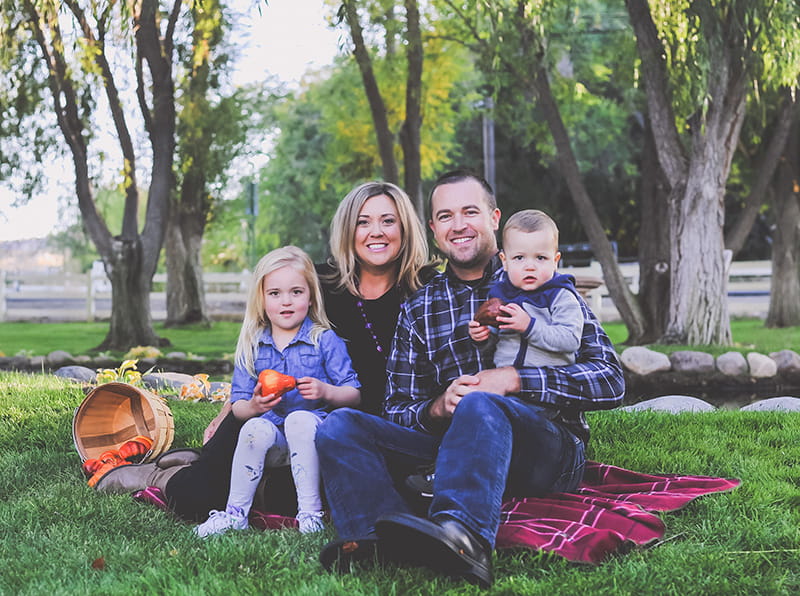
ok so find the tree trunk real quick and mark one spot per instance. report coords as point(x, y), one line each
point(618, 288)
point(410, 132)
point(376, 105)
point(740, 229)
point(130, 324)
point(654, 255)
point(784, 300)
point(186, 302)
point(699, 270)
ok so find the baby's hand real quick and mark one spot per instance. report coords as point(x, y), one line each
point(311, 388)
point(512, 316)
point(478, 332)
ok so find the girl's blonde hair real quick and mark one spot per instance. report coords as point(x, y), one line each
point(255, 316)
point(413, 246)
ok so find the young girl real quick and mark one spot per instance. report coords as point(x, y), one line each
point(285, 329)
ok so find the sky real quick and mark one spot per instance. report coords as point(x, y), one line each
point(288, 38)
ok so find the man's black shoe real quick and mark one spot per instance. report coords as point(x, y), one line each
point(340, 555)
point(445, 545)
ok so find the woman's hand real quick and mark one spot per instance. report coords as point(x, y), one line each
point(216, 421)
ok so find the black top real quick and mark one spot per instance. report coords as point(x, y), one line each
point(348, 322)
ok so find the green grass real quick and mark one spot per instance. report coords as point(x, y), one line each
point(219, 340)
point(749, 335)
point(39, 339)
point(53, 526)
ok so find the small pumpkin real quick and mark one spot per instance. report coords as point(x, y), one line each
point(133, 449)
point(275, 383)
point(110, 456)
point(90, 466)
point(104, 469)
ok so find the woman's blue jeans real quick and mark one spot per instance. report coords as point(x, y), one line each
point(494, 446)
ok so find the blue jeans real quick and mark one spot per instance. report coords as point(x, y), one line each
point(494, 446)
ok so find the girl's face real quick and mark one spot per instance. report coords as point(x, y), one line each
point(378, 236)
point(286, 298)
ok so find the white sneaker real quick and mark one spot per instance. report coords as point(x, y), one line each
point(219, 522)
point(309, 522)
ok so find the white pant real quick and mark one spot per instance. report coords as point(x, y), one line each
point(261, 444)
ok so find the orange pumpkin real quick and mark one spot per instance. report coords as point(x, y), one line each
point(110, 456)
point(148, 442)
point(90, 466)
point(275, 383)
point(104, 469)
point(133, 449)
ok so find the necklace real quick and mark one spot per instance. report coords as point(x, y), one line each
point(368, 325)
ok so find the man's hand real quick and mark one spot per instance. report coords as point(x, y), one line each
point(444, 405)
point(502, 381)
point(513, 316)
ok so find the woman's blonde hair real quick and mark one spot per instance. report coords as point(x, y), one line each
point(255, 316)
point(413, 246)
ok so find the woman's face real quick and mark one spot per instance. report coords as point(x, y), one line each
point(378, 234)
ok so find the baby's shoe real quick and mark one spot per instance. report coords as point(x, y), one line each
point(309, 522)
point(219, 522)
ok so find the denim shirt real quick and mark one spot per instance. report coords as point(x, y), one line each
point(328, 361)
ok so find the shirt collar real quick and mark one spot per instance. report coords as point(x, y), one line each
point(303, 334)
point(489, 272)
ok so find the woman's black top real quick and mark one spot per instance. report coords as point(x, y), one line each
point(348, 322)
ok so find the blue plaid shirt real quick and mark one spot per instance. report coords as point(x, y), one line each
point(432, 347)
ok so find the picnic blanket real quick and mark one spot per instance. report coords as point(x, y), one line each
point(612, 510)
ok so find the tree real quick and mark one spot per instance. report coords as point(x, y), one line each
point(512, 41)
point(71, 50)
point(409, 133)
point(213, 128)
point(698, 63)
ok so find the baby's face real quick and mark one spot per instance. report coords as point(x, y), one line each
point(530, 258)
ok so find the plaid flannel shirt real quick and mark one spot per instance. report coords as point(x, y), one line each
point(432, 347)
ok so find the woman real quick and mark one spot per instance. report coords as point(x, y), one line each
point(379, 256)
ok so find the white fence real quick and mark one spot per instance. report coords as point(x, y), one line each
point(71, 297)
point(87, 297)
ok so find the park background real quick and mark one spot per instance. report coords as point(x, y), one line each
point(659, 132)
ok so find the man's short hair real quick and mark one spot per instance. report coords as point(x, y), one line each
point(531, 220)
point(460, 175)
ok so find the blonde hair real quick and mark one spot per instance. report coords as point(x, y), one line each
point(255, 316)
point(413, 248)
point(531, 220)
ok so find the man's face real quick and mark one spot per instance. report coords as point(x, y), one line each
point(464, 227)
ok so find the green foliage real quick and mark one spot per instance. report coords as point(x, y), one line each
point(742, 542)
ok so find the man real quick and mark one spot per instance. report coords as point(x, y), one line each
point(489, 431)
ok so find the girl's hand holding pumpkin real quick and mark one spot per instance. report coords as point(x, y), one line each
point(311, 388)
point(264, 403)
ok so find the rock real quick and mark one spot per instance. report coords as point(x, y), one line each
point(170, 381)
point(732, 364)
point(689, 361)
point(175, 356)
point(674, 404)
point(789, 404)
point(761, 366)
point(59, 357)
point(643, 361)
point(76, 373)
point(788, 361)
point(36, 362)
point(83, 359)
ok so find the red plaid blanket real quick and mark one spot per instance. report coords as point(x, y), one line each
point(612, 507)
point(611, 510)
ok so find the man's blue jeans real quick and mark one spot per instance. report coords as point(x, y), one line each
point(494, 445)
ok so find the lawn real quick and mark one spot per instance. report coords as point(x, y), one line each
point(60, 537)
point(219, 339)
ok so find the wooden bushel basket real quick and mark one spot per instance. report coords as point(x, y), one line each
point(113, 413)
